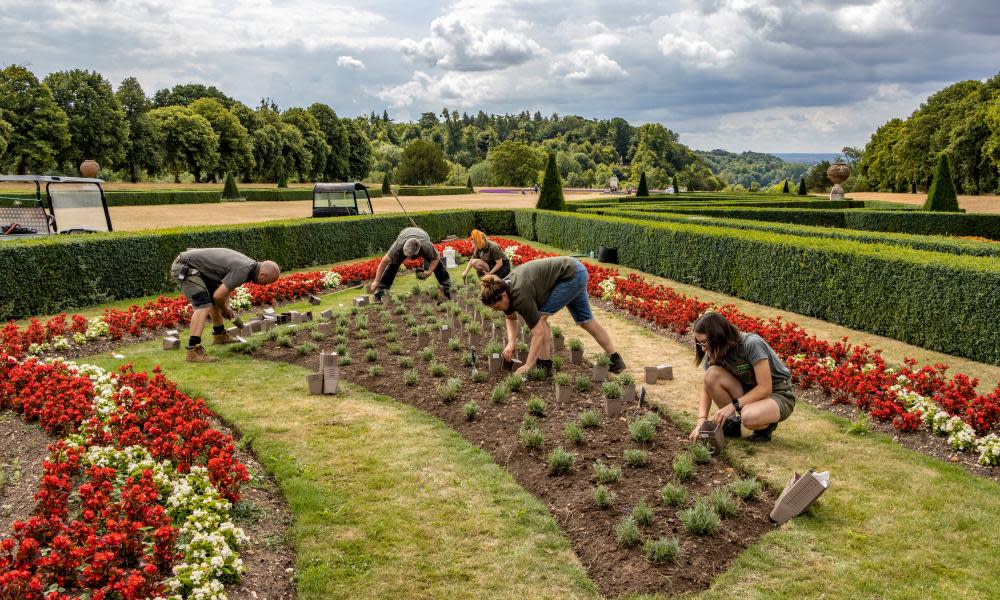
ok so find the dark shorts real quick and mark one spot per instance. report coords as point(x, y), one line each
point(197, 290)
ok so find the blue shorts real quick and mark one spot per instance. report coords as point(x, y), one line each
point(571, 294)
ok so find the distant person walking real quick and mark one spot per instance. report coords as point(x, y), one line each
point(205, 277)
point(744, 378)
point(487, 257)
point(412, 242)
point(536, 290)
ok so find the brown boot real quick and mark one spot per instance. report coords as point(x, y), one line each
point(196, 354)
point(223, 339)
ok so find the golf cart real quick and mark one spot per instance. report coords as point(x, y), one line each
point(70, 205)
point(341, 200)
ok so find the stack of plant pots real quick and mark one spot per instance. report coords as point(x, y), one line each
point(652, 375)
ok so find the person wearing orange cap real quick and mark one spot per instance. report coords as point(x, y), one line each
point(487, 257)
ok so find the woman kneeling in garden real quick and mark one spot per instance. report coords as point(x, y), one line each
point(487, 258)
point(536, 290)
point(743, 377)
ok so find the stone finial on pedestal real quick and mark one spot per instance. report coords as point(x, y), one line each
point(838, 174)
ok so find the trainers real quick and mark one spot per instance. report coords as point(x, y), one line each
point(617, 364)
point(222, 339)
point(196, 354)
point(762, 435)
point(732, 427)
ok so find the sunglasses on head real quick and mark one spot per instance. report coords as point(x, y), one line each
point(701, 344)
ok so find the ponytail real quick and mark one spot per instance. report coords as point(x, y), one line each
point(492, 289)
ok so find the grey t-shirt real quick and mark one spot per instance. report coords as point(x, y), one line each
point(221, 265)
point(427, 250)
point(751, 350)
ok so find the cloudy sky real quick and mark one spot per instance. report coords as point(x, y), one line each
point(766, 75)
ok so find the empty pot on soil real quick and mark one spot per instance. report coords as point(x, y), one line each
point(613, 407)
point(599, 373)
point(315, 383)
point(563, 393)
point(576, 356)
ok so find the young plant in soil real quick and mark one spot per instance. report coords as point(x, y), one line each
point(603, 497)
point(368, 343)
point(399, 310)
point(410, 378)
point(627, 533)
point(642, 430)
point(409, 320)
point(683, 466)
point(341, 349)
point(635, 458)
point(724, 504)
point(500, 393)
point(449, 391)
point(700, 453)
point(531, 437)
point(536, 406)
point(583, 384)
point(493, 348)
point(625, 379)
point(479, 376)
point(589, 419)
point(700, 519)
point(557, 363)
point(306, 348)
point(611, 390)
point(560, 461)
point(285, 341)
point(576, 350)
point(514, 382)
point(405, 362)
point(340, 339)
point(427, 354)
point(522, 347)
point(746, 489)
point(391, 337)
point(642, 514)
point(371, 355)
point(454, 344)
point(537, 374)
point(606, 473)
point(467, 359)
point(344, 359)
point(362, 334)
point(470, 410)
point(394, 349)
point(317, 336)
point(375, 371)
point(573, 433)
point(438, 369)
point(673, 495)
point(661, 550)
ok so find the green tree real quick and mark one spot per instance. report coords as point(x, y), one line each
point(279, 148)
point(229, 190)
point(40, 128)
point(315, 139)
point(784, 188)
point(186, 93)
point(97, 126)
point(422, 163)
point(677, 187)
point(235, 149)
point(6, 131)
point(942, 197)
point(514, 163)
point(468, 185)
point(360, 155)
point(643, 189)
point(802, 187)
point(142, 149)
point(338, 166)
point(817, 179)
point(189, 142)
point(551, 196)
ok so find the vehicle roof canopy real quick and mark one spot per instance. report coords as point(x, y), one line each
point(47, 179)
point(325, 188)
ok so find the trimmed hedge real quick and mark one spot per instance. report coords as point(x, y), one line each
point(276, 195)
point(939, 301)
point(66, 272)
point(429, 190)
point(920, 242)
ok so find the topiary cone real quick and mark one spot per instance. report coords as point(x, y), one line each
point(942, 196)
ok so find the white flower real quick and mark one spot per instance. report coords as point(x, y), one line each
point(988, 447)
point(241, 300)
point(608, 288)
point(510, 251)
point(331, 279)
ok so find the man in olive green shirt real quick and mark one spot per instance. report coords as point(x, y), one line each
point(206, 276)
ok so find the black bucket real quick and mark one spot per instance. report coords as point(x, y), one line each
point(608, 255)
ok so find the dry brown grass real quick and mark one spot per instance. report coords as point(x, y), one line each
point(977, 204)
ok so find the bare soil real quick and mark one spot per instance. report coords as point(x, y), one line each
point(23, 448)
point(615, 570)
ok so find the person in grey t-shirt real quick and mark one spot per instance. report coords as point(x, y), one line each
point(412, 242)
point(744, 378)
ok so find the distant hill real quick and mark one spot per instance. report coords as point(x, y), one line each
point(809, 158)
point(748, 168)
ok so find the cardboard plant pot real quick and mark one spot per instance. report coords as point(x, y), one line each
point(171, 343)
point(331, 378)
point(576, 357)
point(172, 333)
point(233, 331)
point(799, 493)
point(315, 383)
point(613, 407)
point(495, 363)
point(314, 300)
point(325, 328)
point(295, 317)
point(423, 340)
point(307, 316)
point(446, 333)
point(665, 372)
point(361, 301)
point(328, 360)
point(599, 373)
point(563, 393)
point(559, 343)
point(475, 339)
point(326, 314)
point(522, 355)
point(652, 375)
point(628, 393)
point(712, 435)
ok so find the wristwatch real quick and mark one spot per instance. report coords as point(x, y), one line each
point(736, 405)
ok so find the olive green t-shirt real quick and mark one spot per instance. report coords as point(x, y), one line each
point(221, 265)
point(532, 283)
point(427, 250)
point(492, 254)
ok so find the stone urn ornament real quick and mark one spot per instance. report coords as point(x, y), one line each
point(89, 169)
point(838, 174)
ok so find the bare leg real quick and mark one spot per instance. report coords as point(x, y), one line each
point(479, 265)
point(547, 347)
point(722, 387)
point(761, 414)
point(217, 316)
point(198, 319)
point(600, 335)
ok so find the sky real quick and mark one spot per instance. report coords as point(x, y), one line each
point(763, 75)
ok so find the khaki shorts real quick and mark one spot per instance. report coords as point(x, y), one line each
point(194, 288)
point(786, 402)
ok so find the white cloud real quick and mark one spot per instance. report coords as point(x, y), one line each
point(882, 16)
point(698, 52)
point(350, 62)
point(586, 66)
point(459, 45)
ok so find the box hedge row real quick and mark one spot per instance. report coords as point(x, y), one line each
point(65, 272)
point(939, 301)
point(933, 243)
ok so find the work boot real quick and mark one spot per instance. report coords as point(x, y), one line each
point(196, 354)
point(731, 427)
point(617, 363)
point(222, 339)
point(762, 435)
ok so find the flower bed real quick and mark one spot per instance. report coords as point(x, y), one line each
point(135, 497)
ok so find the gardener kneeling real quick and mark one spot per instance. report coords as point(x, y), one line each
point(412, 242)
point(206, 276)
point(536, 290)
point(743, 377)
point(487, 258)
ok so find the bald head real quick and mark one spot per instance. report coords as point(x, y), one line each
point(268, 272)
